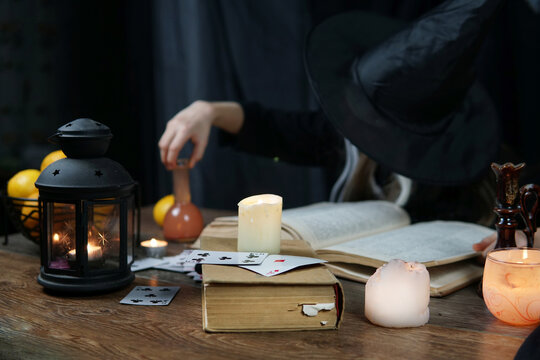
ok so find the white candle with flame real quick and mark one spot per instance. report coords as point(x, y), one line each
point(397, 295)
point(259, 223)
point(155, 248)
point(94, 253)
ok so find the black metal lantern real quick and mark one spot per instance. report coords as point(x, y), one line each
point(89, 214)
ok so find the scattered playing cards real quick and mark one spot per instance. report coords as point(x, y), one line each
point(177, 263)
point(146, 263)
point(171, 263)
point(278, 264)
point(262, 263)
point(226, 257)
point(150, 295)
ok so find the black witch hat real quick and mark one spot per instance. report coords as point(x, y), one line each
point(406, 94)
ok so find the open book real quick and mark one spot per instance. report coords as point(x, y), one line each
point(358, 237)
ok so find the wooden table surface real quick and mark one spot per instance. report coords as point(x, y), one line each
point(37, 325)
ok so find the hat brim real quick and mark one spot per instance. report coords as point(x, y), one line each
point(459, 153)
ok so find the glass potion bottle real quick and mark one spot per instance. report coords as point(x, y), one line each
point(183, 222)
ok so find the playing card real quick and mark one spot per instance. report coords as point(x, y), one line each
point(278, 264)
point(150, 295)
point(183, 255)
point(177, 263)
point(226, 257)
point(195, 276)
point(146, 263)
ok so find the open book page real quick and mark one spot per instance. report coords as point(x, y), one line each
point(431, 243)
point(443, 279)
point(326, 224)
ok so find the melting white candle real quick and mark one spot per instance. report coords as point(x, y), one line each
point(259, 223)
point(397, 295)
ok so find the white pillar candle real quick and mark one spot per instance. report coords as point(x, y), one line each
point(397, 295)
point(259, 223)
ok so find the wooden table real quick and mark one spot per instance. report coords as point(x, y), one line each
point(37, 325)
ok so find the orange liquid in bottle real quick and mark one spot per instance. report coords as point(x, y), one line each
point(183, 222)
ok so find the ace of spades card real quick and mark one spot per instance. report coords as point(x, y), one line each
point(150, 295)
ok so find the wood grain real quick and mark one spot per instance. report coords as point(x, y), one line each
point(38, 325)
point(35, 324)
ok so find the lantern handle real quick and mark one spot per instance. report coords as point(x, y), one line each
point(54, 138)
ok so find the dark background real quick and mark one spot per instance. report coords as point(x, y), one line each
point(133, 64)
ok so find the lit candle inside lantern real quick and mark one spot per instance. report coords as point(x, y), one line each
point(259, 223)
point(397, 295)
point(94, 253)
point(56, 248)
point(511, 285)
point(155, 248)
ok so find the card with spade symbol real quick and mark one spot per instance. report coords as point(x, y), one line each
point(226, 257)
point(150, 295)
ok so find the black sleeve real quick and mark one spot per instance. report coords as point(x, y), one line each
point(305, 138)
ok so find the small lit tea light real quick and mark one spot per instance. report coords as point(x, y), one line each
point(397, 295)
point(94, 253)
point(155, 248)
point(259, 223)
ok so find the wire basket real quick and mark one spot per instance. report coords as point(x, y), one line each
point(24, 215)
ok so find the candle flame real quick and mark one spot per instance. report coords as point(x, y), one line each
point(56, 237)
point(92, 247)
point(153, 242)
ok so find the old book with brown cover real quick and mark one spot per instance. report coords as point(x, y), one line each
point(239, 300)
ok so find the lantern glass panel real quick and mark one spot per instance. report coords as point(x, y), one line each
point(131, 231)
point(61, 235)
point(103, 235)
